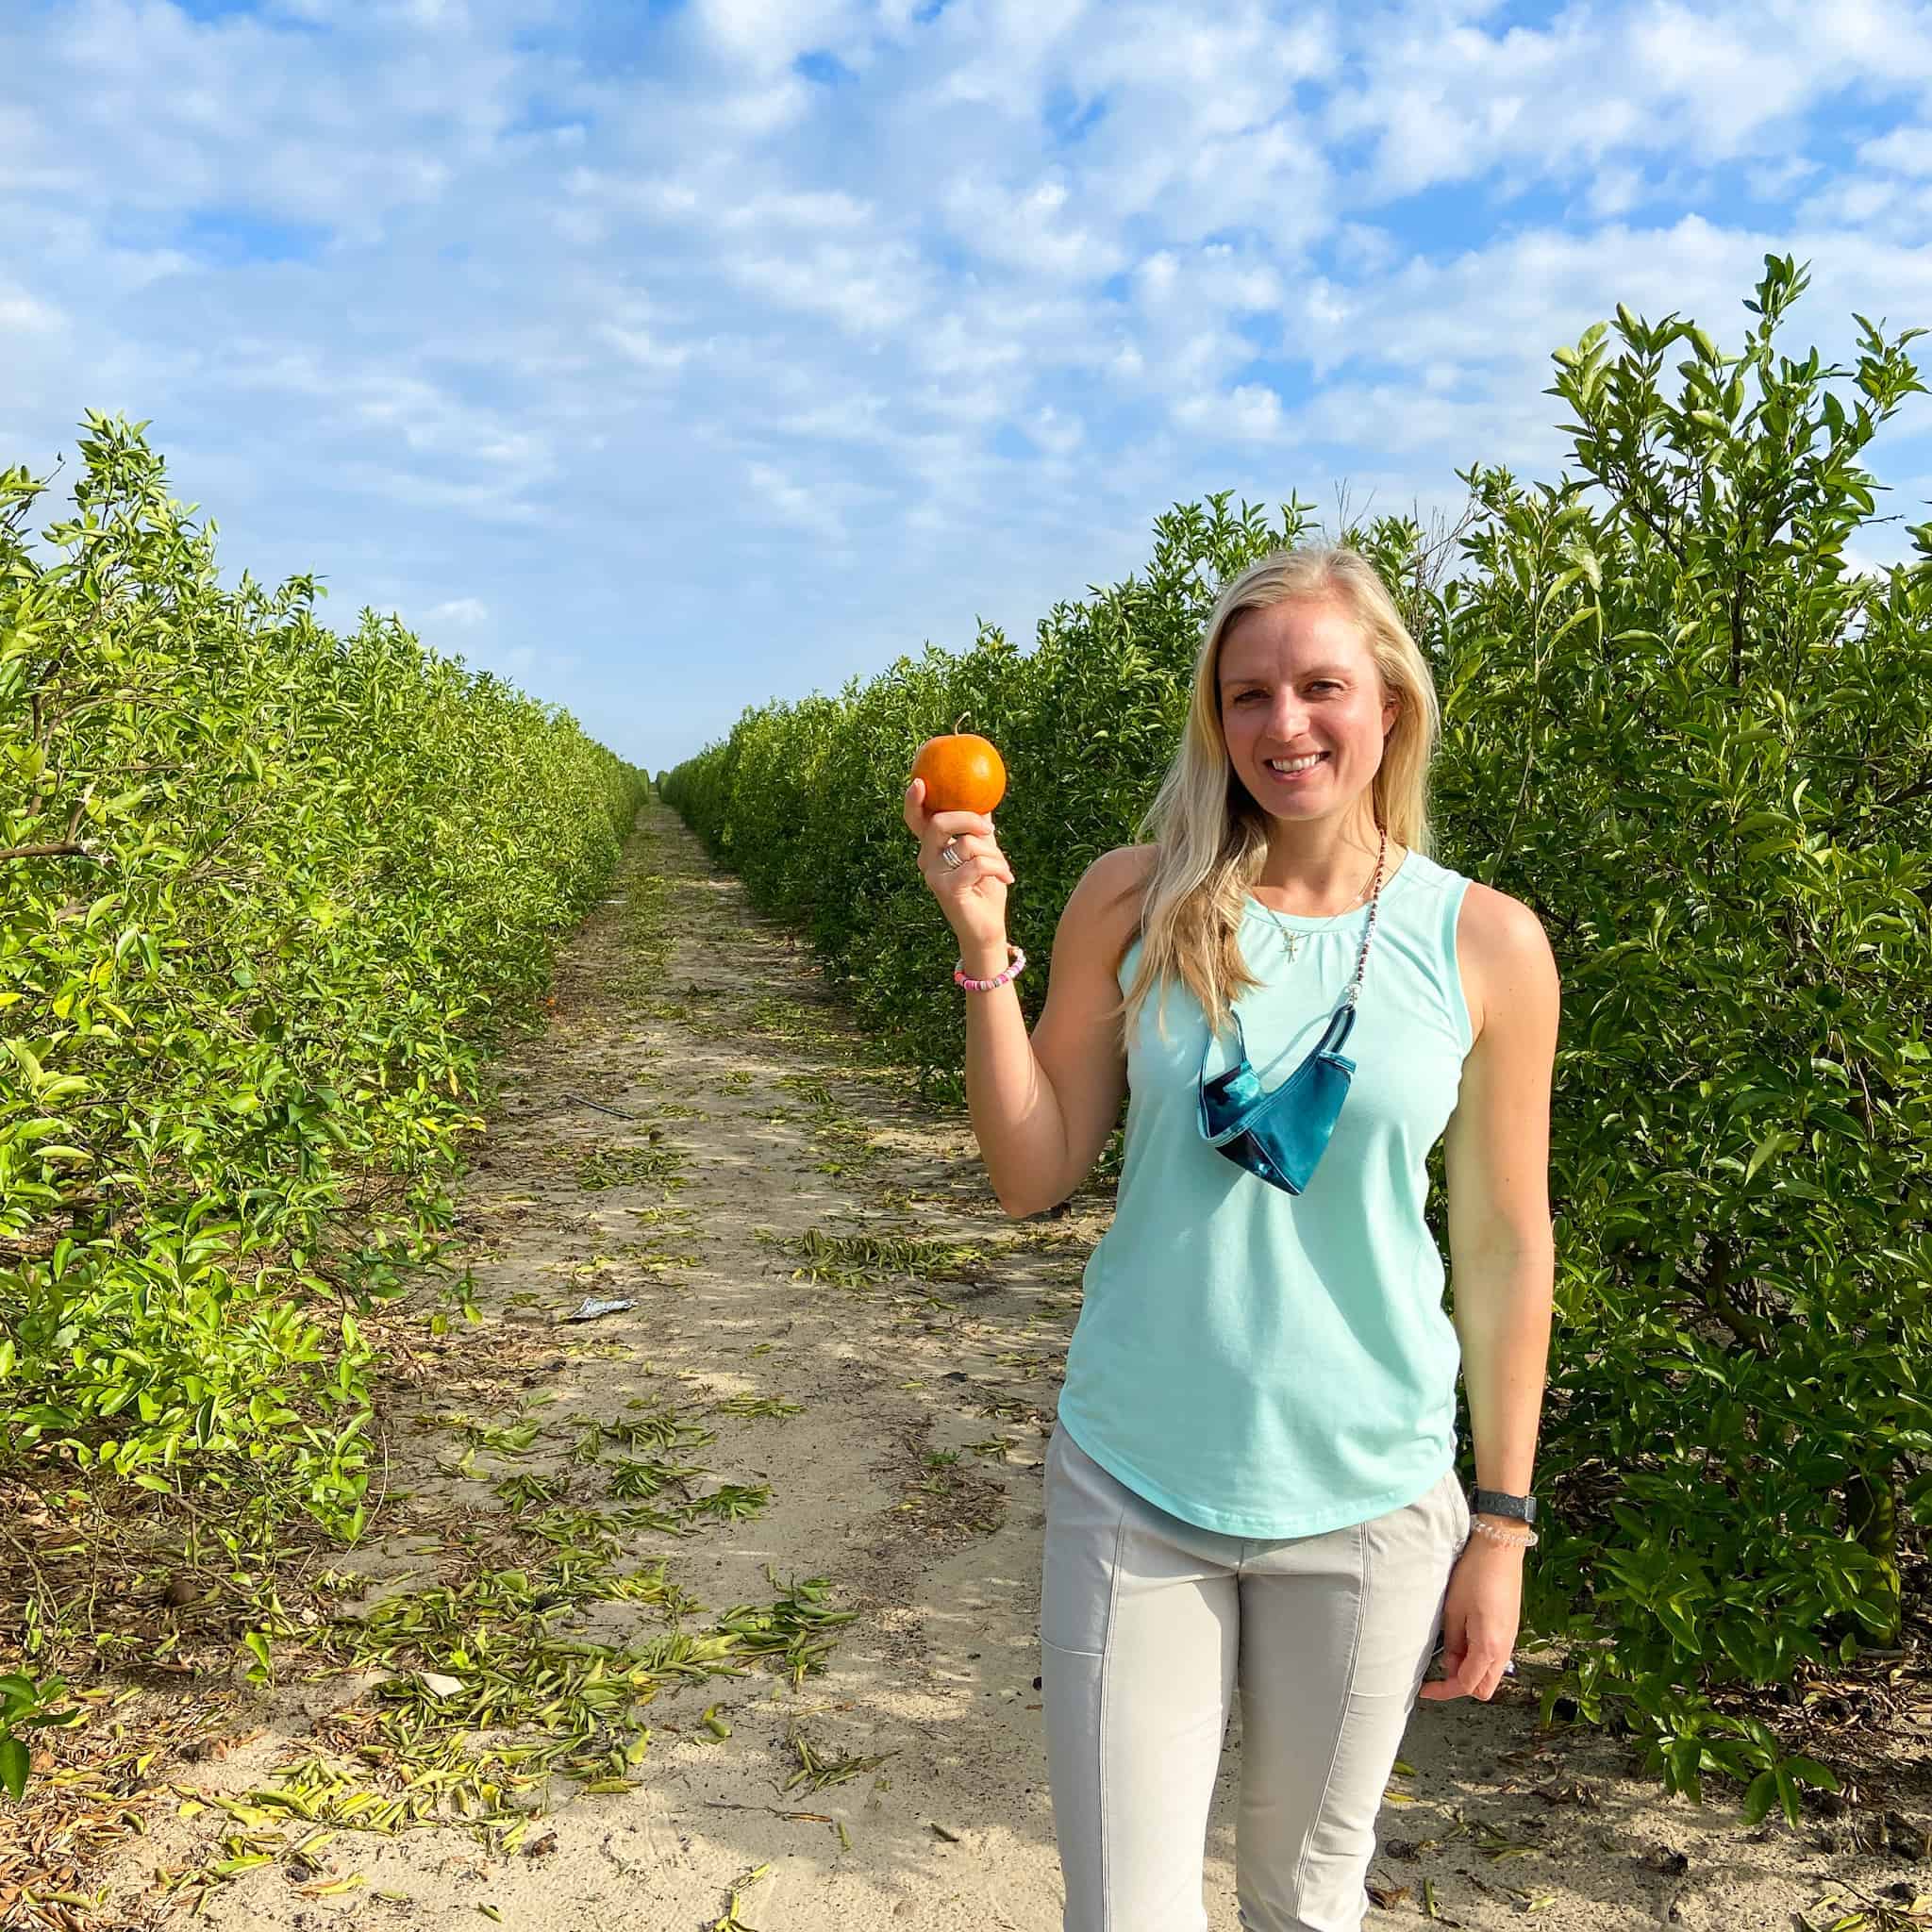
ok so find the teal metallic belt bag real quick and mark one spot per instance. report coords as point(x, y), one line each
point(1280, 1135)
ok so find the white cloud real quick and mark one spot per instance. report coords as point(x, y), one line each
point(1861, 201)
point(1361, 248)
point(866, 291)
point(641, 347)
point(854, 417)
point(20, 312)
point(663, 197)
point(459, 613)
point(831, 210)
point(1774, 180)
point(762, 111)
point(1614, 191)
point(1057, 434)
point(1028, 228)
point(1444, 99)
point(1906, 150)
point(793, 501)
point(1250, 413)
point(486, 503)
point(768, 35)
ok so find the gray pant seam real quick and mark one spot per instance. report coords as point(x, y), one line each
point(1355, 1646)
point(1113, 1589)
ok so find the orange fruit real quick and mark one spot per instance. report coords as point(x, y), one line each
point(962, 772)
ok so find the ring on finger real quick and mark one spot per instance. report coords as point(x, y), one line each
point(954, 859)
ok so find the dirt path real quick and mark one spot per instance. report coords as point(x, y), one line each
point(696, 1126)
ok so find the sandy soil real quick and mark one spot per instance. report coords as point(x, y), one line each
point(736, 1073)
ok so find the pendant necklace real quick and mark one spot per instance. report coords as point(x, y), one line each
point(1293, 938)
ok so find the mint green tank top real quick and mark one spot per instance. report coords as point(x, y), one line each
point(1269, 1364)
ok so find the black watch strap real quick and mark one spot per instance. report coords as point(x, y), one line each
point(1500, 1503)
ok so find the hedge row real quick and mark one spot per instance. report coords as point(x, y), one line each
point(268, 899)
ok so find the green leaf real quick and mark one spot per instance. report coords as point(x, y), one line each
point(13, 1767)
point(1773, 1144)
point(1760, 1797)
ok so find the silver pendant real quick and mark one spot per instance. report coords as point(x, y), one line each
point(1293, 938)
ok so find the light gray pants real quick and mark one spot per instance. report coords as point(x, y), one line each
point(1146, 1624)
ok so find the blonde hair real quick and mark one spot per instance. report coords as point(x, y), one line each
point(1211, 837)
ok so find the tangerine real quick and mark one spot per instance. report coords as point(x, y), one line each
point(962, 772)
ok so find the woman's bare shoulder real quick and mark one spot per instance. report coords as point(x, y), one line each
point(1128, 862)
point(1106, 900)
point(1505, 954)
point(1119, 877)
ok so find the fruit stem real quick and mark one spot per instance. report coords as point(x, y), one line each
point(957, 722)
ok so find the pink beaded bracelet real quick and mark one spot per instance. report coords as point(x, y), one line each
point(1012, 971)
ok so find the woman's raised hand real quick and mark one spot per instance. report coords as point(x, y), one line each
point(972, 894)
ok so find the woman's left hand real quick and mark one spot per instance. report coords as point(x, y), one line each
point(1479, 1620)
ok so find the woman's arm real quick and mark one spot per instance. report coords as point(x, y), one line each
point(1496, 1155)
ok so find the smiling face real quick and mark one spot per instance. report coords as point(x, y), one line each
point(1299, 686)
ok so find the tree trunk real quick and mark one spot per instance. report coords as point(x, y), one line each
point(1871, 1515)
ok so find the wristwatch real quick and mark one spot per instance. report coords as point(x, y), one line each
point(1500, 1503)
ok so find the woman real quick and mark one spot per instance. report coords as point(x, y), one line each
point(1253, 1474)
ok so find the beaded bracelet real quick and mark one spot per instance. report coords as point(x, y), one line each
point(1528, 1541)
point(1012, 973)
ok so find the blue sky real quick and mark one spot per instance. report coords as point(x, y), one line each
point(668, 358)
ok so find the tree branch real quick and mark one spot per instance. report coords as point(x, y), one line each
point(1713, 1291)
point(61, 848)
